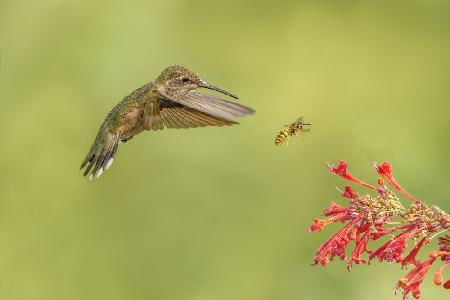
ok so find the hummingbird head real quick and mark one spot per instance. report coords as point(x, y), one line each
point(176, 81)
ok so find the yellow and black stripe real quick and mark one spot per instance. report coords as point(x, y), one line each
point(282, 136)
point(296, 128)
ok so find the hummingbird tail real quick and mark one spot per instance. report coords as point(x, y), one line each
point(101, 155)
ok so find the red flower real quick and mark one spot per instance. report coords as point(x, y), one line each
point(360, 248)
point(444, 251)
point(341, 170)
point(394, 248)
point(411, 258)
point(447, 284)
point(411, 282)
point(369, 217)
point(334, 246)
point(338, 213)
point(438, 275)
point(385, 170)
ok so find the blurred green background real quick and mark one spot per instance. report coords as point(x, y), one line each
point(211, 213)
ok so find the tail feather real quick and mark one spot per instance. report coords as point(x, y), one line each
point(101, 154)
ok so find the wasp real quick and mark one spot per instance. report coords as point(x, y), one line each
point(295, 128)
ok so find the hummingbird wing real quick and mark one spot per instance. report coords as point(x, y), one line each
point(175, 115)
point(215, 106)
point(171, 114)
point(194, 110)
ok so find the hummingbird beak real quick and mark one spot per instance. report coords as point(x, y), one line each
point(215, 88)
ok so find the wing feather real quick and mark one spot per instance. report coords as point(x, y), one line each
point(180, 118)
point(184, 119)
point(167, 119)
point(173, 114)
point(215, 106)
point(203, 119)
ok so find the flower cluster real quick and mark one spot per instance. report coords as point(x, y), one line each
point(370, 217)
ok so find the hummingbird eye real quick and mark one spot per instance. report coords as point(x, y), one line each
point(184, 79)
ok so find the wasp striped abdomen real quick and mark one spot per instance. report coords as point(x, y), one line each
point(295, 128)
point(282, 136)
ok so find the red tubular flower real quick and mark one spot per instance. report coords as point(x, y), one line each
point(341, 170)
point(368, 218)
point(447, 284)
point(333, 247)
point(444, 251)
point(349, 193)
point(411, 258)
point(412, 280)
point(319, 224)
point(384, 231)
point(394, 248)
point(438, 275)
point(360, 248)
point(334, 209)
point(338, 213)
point(385, 170)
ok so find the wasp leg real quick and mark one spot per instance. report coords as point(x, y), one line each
point(287, 141)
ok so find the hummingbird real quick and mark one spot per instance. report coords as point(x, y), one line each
point(169, 101)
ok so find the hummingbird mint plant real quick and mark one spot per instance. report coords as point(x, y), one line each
point(382, 215)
